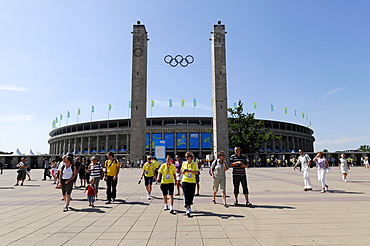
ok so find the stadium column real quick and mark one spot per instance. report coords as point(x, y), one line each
point(138, 92)
point(219, 91)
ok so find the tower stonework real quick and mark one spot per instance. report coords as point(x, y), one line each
point(138, 92)
point(219, 91)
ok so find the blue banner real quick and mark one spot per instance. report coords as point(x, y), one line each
point(207, 140)
point(181, 140)
point(194, 140)
point(170, 143)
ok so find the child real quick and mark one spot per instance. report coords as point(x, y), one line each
point(90, 192)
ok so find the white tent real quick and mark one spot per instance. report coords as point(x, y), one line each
point(17, 152)
point(30, 152)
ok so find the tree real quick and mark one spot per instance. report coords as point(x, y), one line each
point(364, 148)
point(246, 132)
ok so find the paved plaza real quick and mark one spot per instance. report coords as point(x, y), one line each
point(282, 213)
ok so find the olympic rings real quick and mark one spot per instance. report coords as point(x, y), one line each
point(179, 59)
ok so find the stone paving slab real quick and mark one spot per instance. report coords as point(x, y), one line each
point(282, 213)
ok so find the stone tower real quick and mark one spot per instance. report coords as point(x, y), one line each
point(219, 91)
point(138, 92)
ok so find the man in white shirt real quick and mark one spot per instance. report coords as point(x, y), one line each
point(305, 162)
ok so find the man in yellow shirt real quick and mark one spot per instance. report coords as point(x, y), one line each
point(148, 174)
point(167, 175)
point(111, 176)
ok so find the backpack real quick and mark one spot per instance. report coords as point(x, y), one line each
point(212, 169)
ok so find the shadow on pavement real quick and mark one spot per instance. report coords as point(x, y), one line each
point(222, 216)
point(345, 192)
point(95, 209)
point(272, 207)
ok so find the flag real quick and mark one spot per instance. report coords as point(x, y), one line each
point(272, 107)
point(212, 101)
point(152, 103)
point(56, 119)
point(61, 117)
point(255, 105)
point(295, 112)
point(302, 115)
point(92, 109)
point(69, 114)
point(129, 104)
point(110, 107)
point(235, 106)
point(170, 103)
point(285, 111)
point(78, 111)
point(194, 102)
point(182, 103)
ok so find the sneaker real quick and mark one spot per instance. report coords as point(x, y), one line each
point(16, 184)
point(65, 209)
point(113, 200)
point(248, 204)
point(345, 180)
point(323, 191)
point(172, 211)
point(21, 184)
point(226, 206)
point(108, 202)
point(305, 189)
point(165, 208)
point(188, 214)
point(326, 187)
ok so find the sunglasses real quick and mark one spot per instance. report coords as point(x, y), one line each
point(187, 156)
point(222, 155)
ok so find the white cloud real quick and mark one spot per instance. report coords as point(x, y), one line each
point(12, 87)
point(16, 118)
point(333, 92)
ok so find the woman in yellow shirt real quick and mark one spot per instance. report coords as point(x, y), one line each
point(189, 169)
point(167, 176)
point(148, 174)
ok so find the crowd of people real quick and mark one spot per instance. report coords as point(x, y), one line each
point(175, 175)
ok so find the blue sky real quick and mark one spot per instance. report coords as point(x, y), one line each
point(308, 56)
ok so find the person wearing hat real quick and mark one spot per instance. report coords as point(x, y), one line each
point(148, 174)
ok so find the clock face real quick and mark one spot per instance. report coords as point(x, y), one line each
point(138, 52)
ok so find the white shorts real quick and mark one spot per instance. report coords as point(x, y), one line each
point(179, 176)
point(344, 170)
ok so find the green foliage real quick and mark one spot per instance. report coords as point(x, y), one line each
point(325, 151)
point(246, 132)
point(364, 148)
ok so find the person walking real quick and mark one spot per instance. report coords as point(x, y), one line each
point(189, 169)
point(111, 177)
point(167, 177)
point(343, 167)
point(91, 191)
point(82, 172)
point(23, 165)
point(239, 162)
point(218, 172)
point(305, 161)
point(178, 164)
point(46, 165)
point(148, 174)
point(323, 165)
point(67, 173)
point(96, 172)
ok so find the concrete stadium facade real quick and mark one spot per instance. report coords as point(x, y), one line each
point(181, 134)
